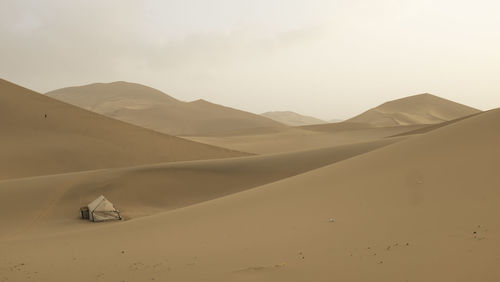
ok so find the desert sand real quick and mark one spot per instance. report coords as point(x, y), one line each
point(299, 138)
point(41, 135)
point(405, 116)
point(418, 109)
point(415, 200)
point(153, 109)
point(163, 187)
point(292, 118)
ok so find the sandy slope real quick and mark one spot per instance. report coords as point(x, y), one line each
point(72, 139)
point(150, 108)
point(338, 126)
point(335, 120)
point(302, 138)
point(292, 118)
point(425, 209)
point(432, 127)
point(147, 190)
point(417, 109)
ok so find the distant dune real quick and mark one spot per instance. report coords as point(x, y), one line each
point(305, 137)
point(41, 135)
point(292, 118)
point(432, 127)
point(418, 109)
point(153, 109)
point(335, 120)
point(338, 126)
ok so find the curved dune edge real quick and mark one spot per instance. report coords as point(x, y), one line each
point(41, 136)
point(150, 108)
point(417, 109)
point(432, 127)
point(297, 139)
point(292, 118)
point(51, 202)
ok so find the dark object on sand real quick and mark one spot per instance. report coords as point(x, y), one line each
point(84, 212)
point(100, 210)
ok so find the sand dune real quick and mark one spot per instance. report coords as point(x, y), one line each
point(424, 209)
point(418, 109)
point(303, 138)
point(335, 120)
point(147, 190)
point(41, 135)
point(432, 127)
point(338, 126)
point(292, 118)
point(153, 109)
point(357, 205)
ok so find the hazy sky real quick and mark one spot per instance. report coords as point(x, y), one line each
point(330, 59)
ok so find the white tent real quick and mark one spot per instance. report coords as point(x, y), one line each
point(101, 209)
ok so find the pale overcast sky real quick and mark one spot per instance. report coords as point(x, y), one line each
point(330, 59)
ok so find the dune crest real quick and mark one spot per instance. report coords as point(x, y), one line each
point(418, 109)
point(41, 135)
point(292, 118)
point(153, 109)
point(150, 189)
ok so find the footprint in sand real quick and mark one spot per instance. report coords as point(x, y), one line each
point(137, 266)
point(301, 255)
point(262, 268)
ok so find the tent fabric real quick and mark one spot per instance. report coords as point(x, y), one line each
point(101, 209)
